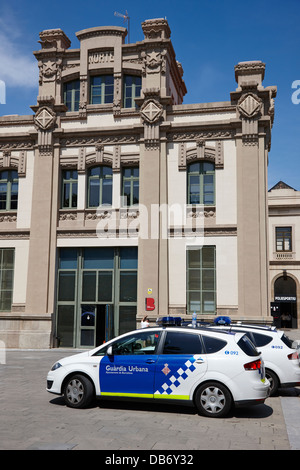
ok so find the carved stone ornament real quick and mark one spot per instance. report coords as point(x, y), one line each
point(250, 105)
point(45, 118)
point(151, 111)
point(50, 70)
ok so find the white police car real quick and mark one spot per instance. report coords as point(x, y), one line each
point(213, 370)
point(279, 353)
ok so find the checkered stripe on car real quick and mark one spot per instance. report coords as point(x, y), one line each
point(177, 378)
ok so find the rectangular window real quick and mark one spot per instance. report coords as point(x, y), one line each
point(100, 186)
point(6, 278)
point(65, 325)
point(69, 188)
point(201, 280)
point(9, 182)
point(72, 95)
point(283, 238)
point(132, 90)
point(201, 183)
point(102, 89)
point(130, 183)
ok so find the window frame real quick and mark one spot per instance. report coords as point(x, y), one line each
point(131, 180)
point(10, 288)
point(71, 182)
point(9, 182)
point(285, 238)
point(135, 90)
point(101, 177)
point(197, 286)
point(75, 94)
point(200, 174)
point(103, 96)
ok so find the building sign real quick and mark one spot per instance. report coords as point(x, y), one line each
point(285, 299)
point(102, 57)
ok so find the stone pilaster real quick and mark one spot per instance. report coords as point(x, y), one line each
point(254, 105)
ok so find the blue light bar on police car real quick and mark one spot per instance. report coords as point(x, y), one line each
point(222, 321)
point(170, 321)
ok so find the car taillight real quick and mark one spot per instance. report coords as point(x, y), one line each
point(293, 355)
point(254, 365)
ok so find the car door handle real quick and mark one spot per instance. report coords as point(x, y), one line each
point(199, 361)
point(150, 361)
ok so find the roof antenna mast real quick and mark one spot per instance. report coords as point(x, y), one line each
point(126, 18)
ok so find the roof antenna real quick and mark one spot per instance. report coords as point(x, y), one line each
point(126, 18)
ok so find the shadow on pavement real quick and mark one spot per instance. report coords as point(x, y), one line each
point(258, 411)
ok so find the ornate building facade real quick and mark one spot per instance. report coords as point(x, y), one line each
point(284, 254)
point(118, 200)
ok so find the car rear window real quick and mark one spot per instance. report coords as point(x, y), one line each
point(182, 343)
point(247, 346)
point(287, 341)
point(213, 345)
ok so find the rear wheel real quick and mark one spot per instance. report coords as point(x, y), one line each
point(78, 391)
point(213, 399)
point(274, 382)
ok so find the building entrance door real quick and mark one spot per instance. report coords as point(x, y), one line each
point(96, 324)
point(285, 296)
point(96, 294)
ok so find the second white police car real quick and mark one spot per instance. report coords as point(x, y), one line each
point(280, 354)
point(213, 370)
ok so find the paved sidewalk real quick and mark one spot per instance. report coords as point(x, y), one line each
point(31, 418)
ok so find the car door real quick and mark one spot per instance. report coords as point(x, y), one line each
point(181, 364)
point(129, 370)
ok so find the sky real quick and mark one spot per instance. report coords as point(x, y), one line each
point(209, 38)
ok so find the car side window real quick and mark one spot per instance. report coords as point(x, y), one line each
point(261, 340)
point(213, 345)
point(182, 343)
point(137, 343)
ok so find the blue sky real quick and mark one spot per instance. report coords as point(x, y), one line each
point(209, 37)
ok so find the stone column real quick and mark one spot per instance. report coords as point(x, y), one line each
point(42, 247)
point(255, 114)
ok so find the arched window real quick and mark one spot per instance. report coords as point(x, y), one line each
point(99, 186)
point(201, 183)
point(9, 183)
point(72, 95)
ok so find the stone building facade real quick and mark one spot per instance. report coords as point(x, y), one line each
point(118, 200)
point(284, 254)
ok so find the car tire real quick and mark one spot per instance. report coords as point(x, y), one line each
point(78, 391)
point(274, 381)
point(213, 399)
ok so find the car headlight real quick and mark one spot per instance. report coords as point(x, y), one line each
point(55, 366)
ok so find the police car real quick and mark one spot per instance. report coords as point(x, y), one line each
point(213, 370)
point(280, 354)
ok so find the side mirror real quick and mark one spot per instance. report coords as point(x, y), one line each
point(109, 351)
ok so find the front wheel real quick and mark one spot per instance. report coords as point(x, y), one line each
point(213, 400)
point(78, 391)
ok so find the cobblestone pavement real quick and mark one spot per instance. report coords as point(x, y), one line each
point(33, 419)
